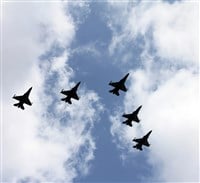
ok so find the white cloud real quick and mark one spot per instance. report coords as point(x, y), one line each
point(174, 34)
point(38, 143)
point(29, 29)
point(169, 94)
point(171, 111)
point(88, 49)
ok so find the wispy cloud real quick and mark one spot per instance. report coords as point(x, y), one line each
point(49, 141)
point(172, 34)
point(166, 84)
point(87, 49)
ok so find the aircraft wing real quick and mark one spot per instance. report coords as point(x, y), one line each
point(138, 109)
point(28, 102)
point(123, 88)
point(136, 119)
point(126, 115)
point(114, 84)
point(18, 97)
point(147, 135)
point(146, 143)
point(66, 92)
point(75, 96)
point(138, 140)
point(28, 92)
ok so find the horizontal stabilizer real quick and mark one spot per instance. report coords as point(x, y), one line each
point(114, 91)
point(19, 106)
point(127, 123)
point(67, 100)
point(138, 146)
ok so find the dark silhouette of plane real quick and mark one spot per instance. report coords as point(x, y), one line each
point(132, 117)
point(23, 99)
point(70, 94)
point(120, 85)
point(142, 141)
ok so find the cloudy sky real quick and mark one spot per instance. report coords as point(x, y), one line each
point(51, 45)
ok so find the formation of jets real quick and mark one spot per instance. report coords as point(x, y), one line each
point(72, 94)
point(120, 85)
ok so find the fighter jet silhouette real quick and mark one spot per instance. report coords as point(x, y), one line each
point(132, 117)
point(142, 141)
point(23, 99)
point(70, 94)
point(120, 85)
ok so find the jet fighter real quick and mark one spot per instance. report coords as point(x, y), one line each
point(132, 117)
point(70, 94)
point(23, 99)
point(120, 85)
point(142, 141)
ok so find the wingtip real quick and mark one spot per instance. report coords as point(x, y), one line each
point(126, 75)
point(77, 85)
point(149, 132)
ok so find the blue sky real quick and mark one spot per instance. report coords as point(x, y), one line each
point(60, 44)
point(107, 166)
